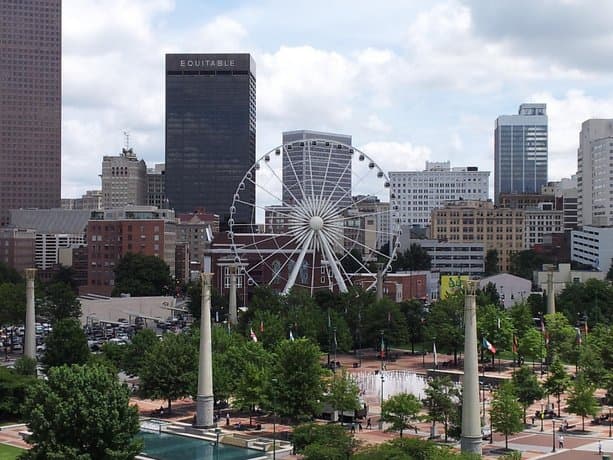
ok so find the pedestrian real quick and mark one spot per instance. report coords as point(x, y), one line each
point(561, 442)
point(360, 426)
point(353, 427)
point(599, 447)
point(368, 424)
point(227, 418)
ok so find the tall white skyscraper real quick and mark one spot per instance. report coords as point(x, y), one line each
point(594, 172)
point(520, 151)
point(308, 165)
point(414, 194)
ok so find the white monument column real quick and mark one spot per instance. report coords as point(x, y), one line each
point(551, 295)
point(380, 275)
point(471, 423)
point(30, 334)
point(232, 308)
point(204, 398)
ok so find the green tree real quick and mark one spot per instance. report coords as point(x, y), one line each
point(12, 303)
point(317, 441)
point(13, 387)
point(445, 324)
point(488, 295)
point(532, 345)
point(114, 353)
point(26, 366)
point(81, 412)
point(401, 411)
point(9, 274)
point(492, 264)
point(439, 401)
point(253, 368)
point(298, 390)
point(219, 303)
point(59, 302)
point(343, 393)
point(134, 358)
point(521, 316)
point(594, 298)
point(527, 387)
point(506, 412)
point(523, 263)
point(561, 336)
point(414, 258)
point(558, 380)
point(411, 449)
point(169, 370)
point(141, 275)
point(66, 344)
point(581, 400)
point(495, 324)
point(415, 314)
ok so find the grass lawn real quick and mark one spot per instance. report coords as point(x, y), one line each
point(9, 452)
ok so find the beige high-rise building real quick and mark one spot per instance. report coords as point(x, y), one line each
point(594, 170)
point(500, 229)
point(124, 180)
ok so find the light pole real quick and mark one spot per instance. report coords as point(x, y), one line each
point(553, 422)
point(274, 418)
point(335, 345)
point(610, 421)
point(217, 433)
point(381, 417)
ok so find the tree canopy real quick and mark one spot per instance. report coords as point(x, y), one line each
point(81, 412)
point(413, 258)
point(506, 412)
point(492, 264)
point(66, 344)
point(401, 411)
point(142, 275)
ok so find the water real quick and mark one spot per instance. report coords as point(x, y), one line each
point(394, 382)
point(164, 446)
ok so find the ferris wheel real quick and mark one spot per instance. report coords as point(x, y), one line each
point(322, 217)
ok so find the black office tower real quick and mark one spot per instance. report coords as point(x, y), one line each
point(210, 132)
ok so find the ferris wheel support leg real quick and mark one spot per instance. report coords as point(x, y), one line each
point(292, 276)
point(332, 261)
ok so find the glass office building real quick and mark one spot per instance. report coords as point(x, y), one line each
point(520, 151)
point(210, 132)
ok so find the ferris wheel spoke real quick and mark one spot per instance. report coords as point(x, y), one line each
point(339, 263)
point(259, 242)
point(282, 182)
point(291, 163)
point(285, 264)
point(280, 200)
point(333, 265)
point(264, 260)
point(371, 250)
point(313, 267)
point(348, 253)
point(286, 214)
point(376, 213)
point(292, 276)
point(311, 170)
point(338, 181)
point(325, 181)
point(330, 208)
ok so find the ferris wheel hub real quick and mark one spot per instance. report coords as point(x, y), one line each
point(316, 223)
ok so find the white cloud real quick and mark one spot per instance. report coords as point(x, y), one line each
point(397, 156)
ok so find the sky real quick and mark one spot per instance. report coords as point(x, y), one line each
point(410, 80)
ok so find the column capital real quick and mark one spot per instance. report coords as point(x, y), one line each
point(30, 274)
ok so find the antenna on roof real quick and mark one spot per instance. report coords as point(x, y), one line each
point(126, 135)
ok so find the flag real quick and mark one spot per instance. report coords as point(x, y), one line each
point(578, 336)
point(261, 326)
point(291, 336)
point(515, 344)
point(434, 353)
point(382, 348)
point(389, 316)
point(542, 325)
point(585, 324)
point(335, 342)
point(253, 336)
point(498, 323)
point(489, 346)
point(546, 339)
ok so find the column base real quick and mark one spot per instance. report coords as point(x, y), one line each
point(471, 444)
point(204, 412)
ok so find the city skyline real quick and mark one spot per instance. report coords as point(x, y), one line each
point(411, 82)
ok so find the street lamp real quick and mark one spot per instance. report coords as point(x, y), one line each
point(274, 418)
point(610, 421)
point(381, 417)
point(554, 435)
